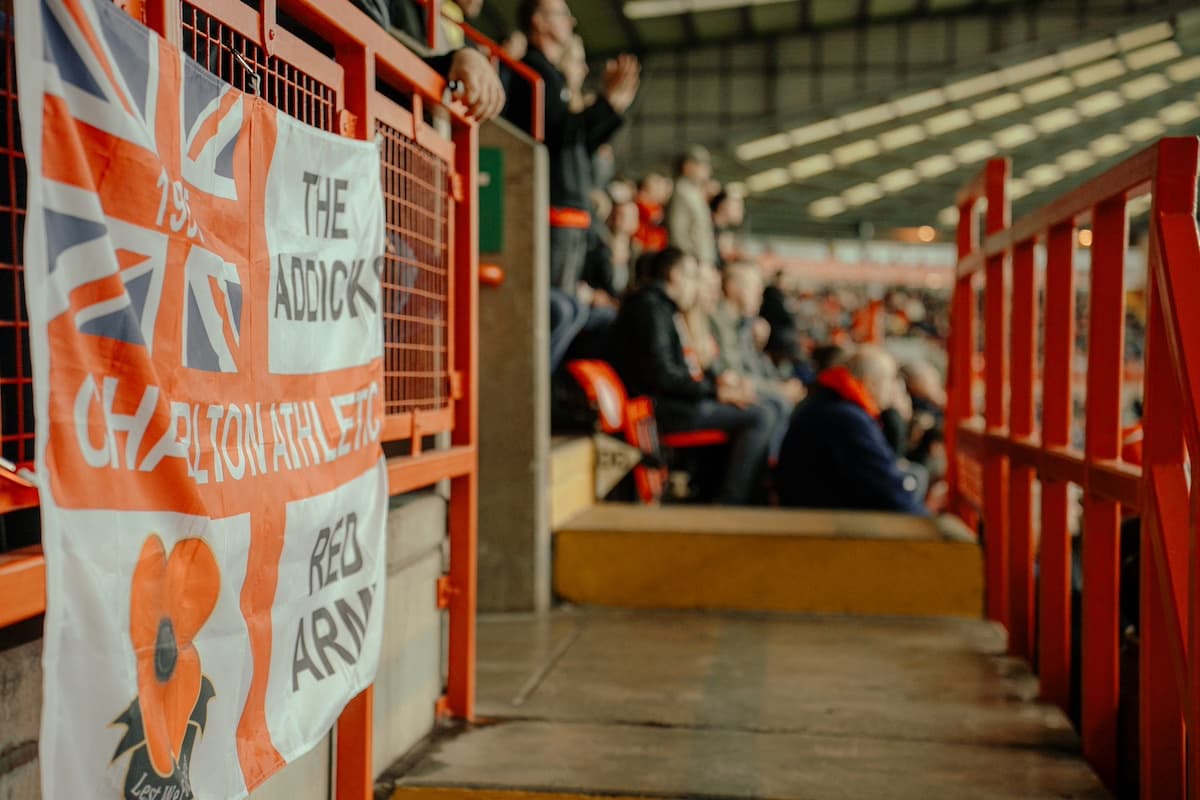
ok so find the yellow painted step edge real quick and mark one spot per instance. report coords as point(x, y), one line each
point(421, 793)
point(769, 573)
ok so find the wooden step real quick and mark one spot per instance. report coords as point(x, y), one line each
point(834, 562)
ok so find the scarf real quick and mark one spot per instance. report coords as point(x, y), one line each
point(850, 388)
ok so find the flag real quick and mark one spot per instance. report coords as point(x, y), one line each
point(203, 285)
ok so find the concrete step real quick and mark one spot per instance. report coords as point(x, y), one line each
point(735, 706)
point(676, 557)
point(572, 477)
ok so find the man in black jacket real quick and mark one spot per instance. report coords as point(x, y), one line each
point(652, 360)
point(835, 454)
point(571, 138)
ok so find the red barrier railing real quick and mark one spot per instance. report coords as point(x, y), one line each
point(430, 280)
point(1014, 448)
point(498, 56)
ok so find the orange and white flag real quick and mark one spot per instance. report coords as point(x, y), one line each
point(203, 285)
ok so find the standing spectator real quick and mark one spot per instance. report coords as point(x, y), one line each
point(728, 214)
point(835, 454)
point(654, 192)
point(650, 356)
point(689, 219)
point(571, 137)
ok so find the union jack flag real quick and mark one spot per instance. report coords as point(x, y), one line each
point(146, 123)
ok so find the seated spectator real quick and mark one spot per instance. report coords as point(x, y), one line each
point(835, 454)
point(741, 335)
point(698, 318)
point(651, 358)
point(925, 446)
point(689, 219)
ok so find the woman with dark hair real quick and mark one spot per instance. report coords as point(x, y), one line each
point(652, 355)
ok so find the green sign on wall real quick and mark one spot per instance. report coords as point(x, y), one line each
point(491, 200)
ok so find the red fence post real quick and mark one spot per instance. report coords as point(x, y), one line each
point(1102, 517)
point(959, 375)
point(1162, 771)
point(1024, 360)
point(995, 465)
point(460, 689)
point(1054, 615)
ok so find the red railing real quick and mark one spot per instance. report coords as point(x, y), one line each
point(1014, 448)
point(498, 56)
point(430, 282)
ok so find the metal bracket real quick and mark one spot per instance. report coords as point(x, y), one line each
point(445, 591)
point(456, 187)
point(267, 29)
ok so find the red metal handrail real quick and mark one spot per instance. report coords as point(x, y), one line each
point(537, 87)
point(1016, 448)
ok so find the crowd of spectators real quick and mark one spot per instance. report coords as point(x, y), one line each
point(648, 276)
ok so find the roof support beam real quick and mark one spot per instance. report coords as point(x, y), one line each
point(805, 21)
point(627, 27)
point(747, 20)
point(690, 29)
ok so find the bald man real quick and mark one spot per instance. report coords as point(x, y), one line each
point(835, 454)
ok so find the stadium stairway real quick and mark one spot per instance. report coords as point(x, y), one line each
point(732, 653)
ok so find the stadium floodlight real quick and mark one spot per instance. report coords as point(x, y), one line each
point(902, 137)
point(1184, 71)
point(867, 117)
point(816, 132)
point(1109, 145)
point(761, 148)
point(856, 151)
point(1179, 113)
point(1130, 40)
point(1030, 70)
point(652, 9)
point(1099, 104)
point(1044, 175)
point(1076, 160)
point(949, 121)
point(1146, 85)
point(1086, 53)
point(935, 166)
point(996, 106)
point(862, 193)
point(974, 151)
point(1098, 73)
point(810, 167)
point(1144, 129)
point(826, 207)
point(1154, 54)
point(899, 180)
point(1047, 90)
point(970, 87)
point(921, 101)
point(1057, 120)
point(769, 180)
point(1014, 136)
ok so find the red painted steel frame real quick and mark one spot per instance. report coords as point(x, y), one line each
point(365, 54)
point(1016, 450)
point(537, 87)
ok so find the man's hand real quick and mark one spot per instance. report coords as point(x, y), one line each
point(621, 80)
point(481, 92)
point(794, 390)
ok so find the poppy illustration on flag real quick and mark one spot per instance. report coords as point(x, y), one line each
point(203, 285)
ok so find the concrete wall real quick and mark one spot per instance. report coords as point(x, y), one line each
point(407, 685)
point(514, 409)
